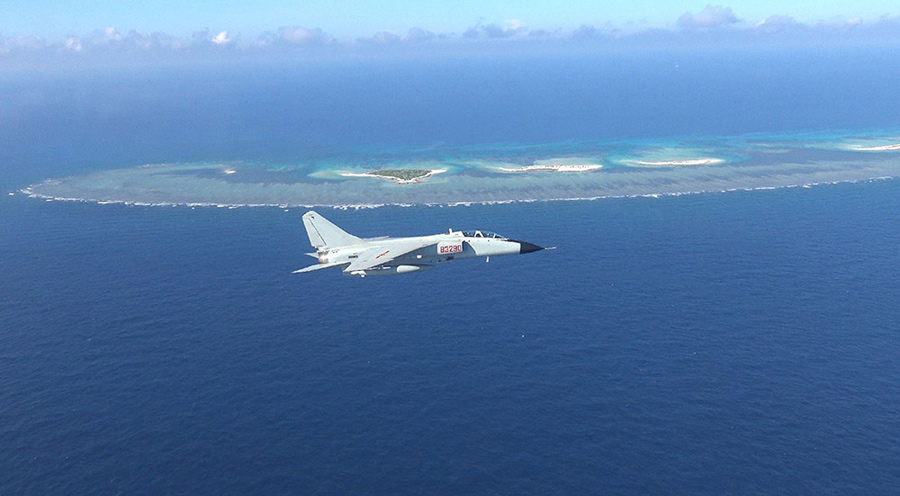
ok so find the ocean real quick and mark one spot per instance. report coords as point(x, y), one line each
point(721, 343)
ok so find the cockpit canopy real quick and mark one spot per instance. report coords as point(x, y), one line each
point(482, 234)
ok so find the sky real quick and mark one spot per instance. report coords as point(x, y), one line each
point(109, 27)
point(361, 18)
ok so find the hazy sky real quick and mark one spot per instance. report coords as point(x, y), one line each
point(359, 18)
point(115, 31)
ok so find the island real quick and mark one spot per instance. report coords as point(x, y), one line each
point(885, 148)
point(493, 173)
point(399, 176)
point(553, 168)
point(675, 163)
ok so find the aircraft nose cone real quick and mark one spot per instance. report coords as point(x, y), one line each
point(526, 247)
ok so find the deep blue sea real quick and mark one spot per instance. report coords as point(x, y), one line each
point(737, 343)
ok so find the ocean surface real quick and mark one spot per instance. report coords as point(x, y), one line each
point(723, 343)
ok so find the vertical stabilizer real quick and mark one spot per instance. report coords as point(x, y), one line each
point(324, 234)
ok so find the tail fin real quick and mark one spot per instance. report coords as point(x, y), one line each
point(323, 234)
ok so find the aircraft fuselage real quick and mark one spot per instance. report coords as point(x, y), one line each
point(441, 248)
point(386, 256)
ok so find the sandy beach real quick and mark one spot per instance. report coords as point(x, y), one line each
point(885, 148)
point(675, 163)
point(553, 168)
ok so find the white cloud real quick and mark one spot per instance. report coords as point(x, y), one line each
point(109, 44)
point(297, 36)
point(383, 38)
point(775, 23)
point(849, 23)
point(414, 35)
point(418, 35)
point(593, 33)
point(109, 36)
point(18, 44)
point(712, 16)
point(512, 28)
point(73, 44)
point(514, 24)
point(222, 39)
point(112, 34)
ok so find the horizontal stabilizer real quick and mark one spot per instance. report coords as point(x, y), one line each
point(318, 267)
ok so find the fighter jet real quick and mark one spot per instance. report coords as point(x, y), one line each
point(390, 256)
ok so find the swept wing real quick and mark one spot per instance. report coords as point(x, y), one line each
point(318, 267)
point(385, 254)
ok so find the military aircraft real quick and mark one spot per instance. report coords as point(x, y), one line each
point(389, 256)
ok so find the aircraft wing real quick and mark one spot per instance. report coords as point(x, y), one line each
point(383, 255)
point(317, 267)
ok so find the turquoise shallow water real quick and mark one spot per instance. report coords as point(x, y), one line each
point(502, 172)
